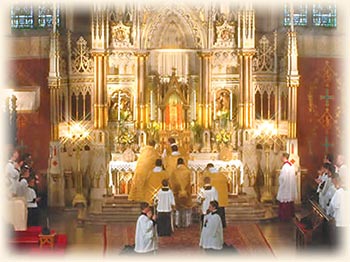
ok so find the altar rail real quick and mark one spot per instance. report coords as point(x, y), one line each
point(121, 174)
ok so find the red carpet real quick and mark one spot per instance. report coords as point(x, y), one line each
point(28, 242)
point(246, 238)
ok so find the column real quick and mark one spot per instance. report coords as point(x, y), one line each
point(246, 47)
point(55, 176)
point(99, 32)
point(141, 74)
point(205, 89)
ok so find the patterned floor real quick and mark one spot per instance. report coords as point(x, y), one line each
point(245, 238)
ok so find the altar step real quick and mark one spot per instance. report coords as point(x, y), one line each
point(240, 209)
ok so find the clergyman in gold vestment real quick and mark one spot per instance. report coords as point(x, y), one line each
point(220, 182)
point(170, 161)
point(180, 184)
point(145, 163)
point(154, 182)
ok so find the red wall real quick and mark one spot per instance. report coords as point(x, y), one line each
point(33, 129)
point(319, 121)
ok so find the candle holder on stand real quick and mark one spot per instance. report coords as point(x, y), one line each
point(78, 135)
point(266, 135)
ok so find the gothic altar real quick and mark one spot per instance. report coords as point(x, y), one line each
point(201, 74)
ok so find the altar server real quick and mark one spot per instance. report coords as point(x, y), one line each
point(327, 188)
point(23, 182)
point(342, 169)
point(180, 183)
point(145, 234)
point(13, 172)
point(337, 205)
point(154, 181)
point(206, 194)
point(287, 190)
point(220, 182)
point(212, 237)
point(165, 204)
point(145, 162)
point(32, 203)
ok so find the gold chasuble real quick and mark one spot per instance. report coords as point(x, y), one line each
point(145, 164)
point(170, 162)
point(219, 181)
point(180, 184)
point(153, 184)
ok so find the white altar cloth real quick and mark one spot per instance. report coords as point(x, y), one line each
point(196, 165)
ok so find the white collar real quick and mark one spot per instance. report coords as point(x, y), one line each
point(157, 169)
point(175, 153)
point(213, 170)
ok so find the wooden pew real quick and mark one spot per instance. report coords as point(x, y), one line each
point(313, 227)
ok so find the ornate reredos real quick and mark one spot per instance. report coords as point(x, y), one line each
point(164, 25)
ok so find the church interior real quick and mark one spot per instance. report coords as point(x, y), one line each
point(96, 92)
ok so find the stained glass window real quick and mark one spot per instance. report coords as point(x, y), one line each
point(324, 15)
point(45, 13)
point(299, 17)
point(32, 17)
point(22, 17)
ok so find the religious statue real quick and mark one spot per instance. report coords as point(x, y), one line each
point(223, 108)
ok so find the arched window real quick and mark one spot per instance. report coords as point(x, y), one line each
point(258, 113)
point(284, 106)
point(265, 105)
point(87, 114)
point(81, 106)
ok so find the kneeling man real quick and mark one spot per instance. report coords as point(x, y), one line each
point(212, 237)
point(145, 235)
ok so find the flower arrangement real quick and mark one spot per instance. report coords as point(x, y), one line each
point(223, 137)
point(153, 130)
point(197, 130)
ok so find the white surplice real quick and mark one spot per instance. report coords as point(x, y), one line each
point(165, 200)
point(343, 173)
point(326, 193)
point(31, 196)
point(207, 196)
point(287, 190)
point(22, 188)
point(337, 207)
point(212, 236)
point(12, 177)
point(145, 235)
